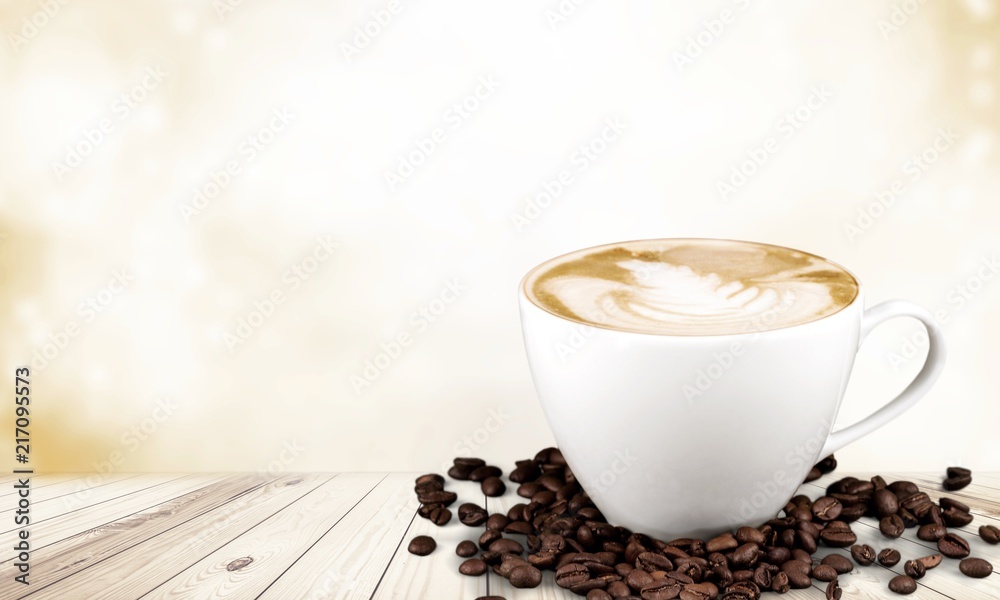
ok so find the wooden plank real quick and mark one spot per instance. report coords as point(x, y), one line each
point(50, 487)
point(918, 547)
point(434, 576)
point(141, 568)
point(273, 545)
point(72, 523)
point(347, 562)
point(62, 559)
point(983, 501)
point(77, 501)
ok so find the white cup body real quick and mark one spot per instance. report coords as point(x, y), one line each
point(688, 436)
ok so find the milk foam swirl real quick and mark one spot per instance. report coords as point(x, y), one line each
point(691, 287)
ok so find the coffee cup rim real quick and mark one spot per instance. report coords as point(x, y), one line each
point(525, 296)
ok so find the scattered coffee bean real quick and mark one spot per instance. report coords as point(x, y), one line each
point(990, 534)
point(481, 473)
point(493, 487)
point(914, 569)
point(491, 598)
point(931, 532)
point(931, 561)
point(431, 478)
point(839, 562)
point(466, 549)
point(599, 595)
point(975, 567)
point(954, 517)
point(886, 503)
point(440, 516)
point(473, 567)
point(902, 584)
point(525, 576)
point(892, 526)
point(833, 591)
point(953, 545)
point(889, 557)
point(823, 572)
point(863, 554)
point(506, 546)
point(422, 545)
point(958, 478)
point(826, 508)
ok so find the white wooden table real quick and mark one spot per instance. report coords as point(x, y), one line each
point(323, 535)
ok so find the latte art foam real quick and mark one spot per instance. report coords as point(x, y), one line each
point(691, 287)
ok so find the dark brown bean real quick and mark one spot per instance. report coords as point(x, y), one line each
point(525, 576)
point(902, 584)
point(466, 549)
point(889, 557)
point(473, 567)
point(886, 503)
point(823, 572)
point(930, 561)
point(863, 554)
point(953, 545)
point(914, 568)
point(422, 545)
point(839, 562)
point(833, 591)
point(493, 487)
point(892, 526)
point(975, 567)
point(931, 532)
point(990, 534)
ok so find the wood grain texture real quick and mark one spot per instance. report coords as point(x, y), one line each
point(71, 555)
point(245, 566)
point(344, 537)
point(141, 568)
point(348, 561)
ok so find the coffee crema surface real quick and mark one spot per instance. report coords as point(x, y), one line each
point(691, 287)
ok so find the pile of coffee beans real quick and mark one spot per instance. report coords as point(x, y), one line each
point(563, 532)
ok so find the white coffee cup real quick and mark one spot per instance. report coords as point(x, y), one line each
point(660, 460)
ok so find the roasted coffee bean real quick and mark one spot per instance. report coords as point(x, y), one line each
point(886, 503)
point(826, 508)
point(460, 473)
point(914, 568)
point(440, 516)
point(990, 534)
point(954, 517)
point(616, 589)
point(931, 532)
point(493, 487)
point(777, 555)
point(661, 589)
point(746, 555)
point(699, 591)
point(649, 562)
point(930, 561)
point(430, 478)
point(721, 543)
point(889, 557)
point(466, 549)
point(491, 558)
point(956, 482)
point(571, 574)
point(958, 472)
point(529, 489)
point(879, 482)
point(489, 536)
point(827, 465)
point(953, 545)
point(946, 503)
point(491, 598)
point(525, 576)
point(909, 519)
point(823, 572)
point(481, 473)
point(521, 527)
point(902, 584)
point(805, 541)
point(508, 546)
point(497, 521)
point(802, 556)
point(863, 554)
point(762, 576)
point(903, 487)
point(838, 534)
point(422, 545)
point(637, 579)
point(599, 595)
point(437, 497)
point(975, 567)
point(469, 462)
point(833, 591)
point(526, 472)
point(781, 583)
point(473, 567)
point(839, 562)
point(891, 526)
point(750, 535)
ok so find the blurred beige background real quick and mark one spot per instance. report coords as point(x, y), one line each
point(287, 236)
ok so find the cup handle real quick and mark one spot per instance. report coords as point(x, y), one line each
point(933, 365)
